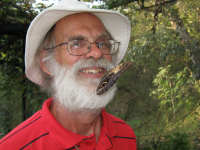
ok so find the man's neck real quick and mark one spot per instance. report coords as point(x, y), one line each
point(80, 122)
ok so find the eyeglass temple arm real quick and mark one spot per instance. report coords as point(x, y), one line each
point(57, 46)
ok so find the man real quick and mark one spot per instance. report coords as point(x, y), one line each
point(69, 47)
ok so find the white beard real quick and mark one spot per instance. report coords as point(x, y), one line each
point(75, 93)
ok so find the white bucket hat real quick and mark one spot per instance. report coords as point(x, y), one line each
point(117, 25)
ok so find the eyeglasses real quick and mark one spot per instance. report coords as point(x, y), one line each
point(79, 47)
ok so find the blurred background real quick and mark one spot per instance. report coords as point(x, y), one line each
point(160, 94)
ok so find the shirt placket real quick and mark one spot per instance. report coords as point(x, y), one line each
point(104, 143)
point(88, 144)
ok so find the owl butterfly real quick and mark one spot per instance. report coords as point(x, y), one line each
point(110, 78)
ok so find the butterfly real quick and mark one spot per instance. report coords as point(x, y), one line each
point(110, 78)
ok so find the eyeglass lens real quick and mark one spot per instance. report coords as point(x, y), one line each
point(81, 47)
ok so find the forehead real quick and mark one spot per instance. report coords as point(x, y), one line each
point(81, 23)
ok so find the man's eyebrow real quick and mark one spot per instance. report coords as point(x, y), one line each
point(76, 37)
point(81, 37)
point(106, 35)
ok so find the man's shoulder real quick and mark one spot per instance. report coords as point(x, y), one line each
point(23, 133)
point(120, 127)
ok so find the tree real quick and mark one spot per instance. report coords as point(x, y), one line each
point(156, 99)
point(15, 89)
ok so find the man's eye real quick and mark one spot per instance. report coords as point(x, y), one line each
point(78, 44)
point(75, 44)
point(103, 45)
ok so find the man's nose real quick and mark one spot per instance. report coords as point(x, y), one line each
point(95, 52)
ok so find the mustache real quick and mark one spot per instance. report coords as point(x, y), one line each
point(102, 63)
point(57, 69)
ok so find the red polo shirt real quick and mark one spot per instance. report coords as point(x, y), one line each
point(43, 132)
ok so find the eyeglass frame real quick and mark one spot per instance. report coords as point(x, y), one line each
point(89, 48)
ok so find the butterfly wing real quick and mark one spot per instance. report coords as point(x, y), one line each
point(110, 78)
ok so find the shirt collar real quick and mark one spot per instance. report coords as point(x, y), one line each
point(69, 139)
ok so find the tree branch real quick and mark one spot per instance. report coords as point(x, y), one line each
point(116, 4)
point(124, 3)
point(160, 4)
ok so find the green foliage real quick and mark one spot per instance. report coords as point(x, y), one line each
point(16, 11)
point(160, 93)
point(17, 94)
point(176, 141)
point(175, 90)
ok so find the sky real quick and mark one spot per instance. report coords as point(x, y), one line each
point(48, 2)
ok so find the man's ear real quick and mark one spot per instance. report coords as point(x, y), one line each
point(43, 65)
